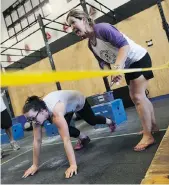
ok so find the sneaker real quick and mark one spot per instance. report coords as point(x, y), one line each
point(112, 127)
point(82, 143)
point(78, 145)
point(14, 145)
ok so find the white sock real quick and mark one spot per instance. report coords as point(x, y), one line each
point(12, 141)
point(108, 121)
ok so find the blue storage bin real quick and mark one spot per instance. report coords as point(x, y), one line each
point(113, 110)
point(50, 129)
point(100, 98)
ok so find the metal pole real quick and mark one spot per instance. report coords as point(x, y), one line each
point(42, 28)
point(27, 27)
point(20, 49)
point(54, 21)
point(105, 79)
point(62, 14)
point(56, 29)
point(101, 11)
point(83, 4)
point(106, 83)
point(20, 40)
point(112, 11)
point(164, 22)
point(19, 55)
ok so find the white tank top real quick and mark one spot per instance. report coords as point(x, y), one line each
point(73, 100)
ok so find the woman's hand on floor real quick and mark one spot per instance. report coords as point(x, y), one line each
point(71, 171)
point(31, 171)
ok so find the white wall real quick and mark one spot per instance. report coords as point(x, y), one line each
point(57, 7)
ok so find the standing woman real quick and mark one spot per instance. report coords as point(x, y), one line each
point(110, 46)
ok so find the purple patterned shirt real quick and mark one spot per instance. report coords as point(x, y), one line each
point(108, 42)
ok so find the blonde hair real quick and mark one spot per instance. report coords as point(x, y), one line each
point(79, 14)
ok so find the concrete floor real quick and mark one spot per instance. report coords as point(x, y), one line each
point(109, 157)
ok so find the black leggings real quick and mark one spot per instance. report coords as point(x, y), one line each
point(87, 114)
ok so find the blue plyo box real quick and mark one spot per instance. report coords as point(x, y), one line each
point(17, 131)
point(113, 110)
point(50, 129)
point(19, 119)
point(4, 138)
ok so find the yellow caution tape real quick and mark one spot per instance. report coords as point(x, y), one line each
point(25, 78)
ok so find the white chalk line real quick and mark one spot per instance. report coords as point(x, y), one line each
point(105, 137)
point(15, 156)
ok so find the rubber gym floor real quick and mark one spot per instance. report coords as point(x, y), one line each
point(108, 159)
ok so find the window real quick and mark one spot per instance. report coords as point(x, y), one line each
point(23, 13)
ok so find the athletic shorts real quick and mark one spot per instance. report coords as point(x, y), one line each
point(144, 62)
point(6, 121)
